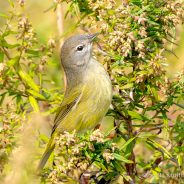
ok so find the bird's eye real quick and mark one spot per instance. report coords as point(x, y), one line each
point(80, 48)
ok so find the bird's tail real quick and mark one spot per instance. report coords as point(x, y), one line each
point(49, 149)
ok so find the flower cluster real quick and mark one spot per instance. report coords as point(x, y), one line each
point(135, 35)
point(176, 17)
point(66, 139)
point(108, 156)
point(26, 33)
point(75, 154)
point(10, 124)
point(28, 39)
point(128, 30)
point(97, 136)
point(98, 6)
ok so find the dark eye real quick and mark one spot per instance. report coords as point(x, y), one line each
point(80, 48)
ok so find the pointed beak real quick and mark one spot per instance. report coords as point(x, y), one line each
point(91, 37)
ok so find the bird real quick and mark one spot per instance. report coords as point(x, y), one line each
point(88, 91)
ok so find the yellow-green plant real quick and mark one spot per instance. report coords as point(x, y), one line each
point(147, 145)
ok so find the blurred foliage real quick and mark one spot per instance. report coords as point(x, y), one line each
point(146, 142)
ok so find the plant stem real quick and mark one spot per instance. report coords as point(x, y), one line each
point(130, 167)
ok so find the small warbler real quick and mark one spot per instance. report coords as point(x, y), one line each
point(88, 91)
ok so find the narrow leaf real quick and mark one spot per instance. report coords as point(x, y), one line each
point(36, 94)
point(121, 158)
point(157, 145)
point(13, 61)
point(11, 3)
point(28, 80)
point(127, 143)
point(1, 57)
point(180, 160)
point(34, 103)
point(127, 86)
point(100, 166)
point(3, 15)
point(135, 115)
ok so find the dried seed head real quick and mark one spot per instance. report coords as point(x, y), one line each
point(97, 136)
point(108, 156)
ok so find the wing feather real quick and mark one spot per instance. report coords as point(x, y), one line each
point(69, 102)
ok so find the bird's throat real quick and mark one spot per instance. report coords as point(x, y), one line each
point(73, 77)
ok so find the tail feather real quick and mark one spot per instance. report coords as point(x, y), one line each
point(46, 155)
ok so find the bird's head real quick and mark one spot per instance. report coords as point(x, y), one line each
point(76, 50)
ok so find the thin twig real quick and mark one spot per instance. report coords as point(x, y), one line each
point(179, 105)
point(171, 42)
point(6, 53)
point(118, 111)
point(60, 22)
point(130, 167)
point(170, 51)
point(148, 172)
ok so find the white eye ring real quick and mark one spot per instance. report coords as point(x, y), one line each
point(80, 47)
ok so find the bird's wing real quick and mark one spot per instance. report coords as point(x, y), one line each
point(70, 101)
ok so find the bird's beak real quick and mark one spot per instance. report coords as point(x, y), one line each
point(91, 37)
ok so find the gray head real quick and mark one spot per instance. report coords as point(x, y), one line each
point(76, 51)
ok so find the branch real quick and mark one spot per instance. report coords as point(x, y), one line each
point(179, 105)
point(60, 23)
point(118, 111)
point(6, 53)
point(130, 168)
point(147, 173)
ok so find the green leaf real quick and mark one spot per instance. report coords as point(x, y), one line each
point(34, 103)
point(165, 119)
point(2, 98)
point(145, 135)
point(136, 115)
point(155, 174)
point(3, 15)
point(100, 166)
point(8, 33)
point(35, 94)
point(155, 94)
point(13, 61)
point(11, 3)
point(143, 72)
point(1, 57)
point(44, 138)
point(5, 44)
point(35, 53)
point(127, 143)
point(118, 166)
point(157, 145)
point(29, 81)
point(109, 131)
point(127, 177)
point(121, 158)
point(127, 86)
point(180, 159)
point(153, 23)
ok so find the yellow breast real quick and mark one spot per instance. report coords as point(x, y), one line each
point(93, 103)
